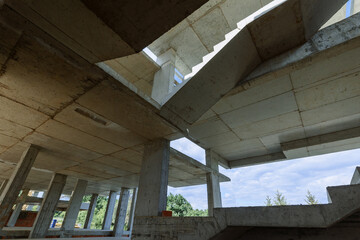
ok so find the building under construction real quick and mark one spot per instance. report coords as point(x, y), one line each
point(92, 92)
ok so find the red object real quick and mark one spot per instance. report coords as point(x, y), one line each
point(166, 214)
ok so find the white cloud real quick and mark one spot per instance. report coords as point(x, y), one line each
point(249, 186)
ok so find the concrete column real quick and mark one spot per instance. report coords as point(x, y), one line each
point(17, 210)
point(91, 210)
point(121, 212)
point(31, 206)
point(109, 210)
point(132, 211)
point(74, 207)
point(48, 206)
point(3, 185)
point(16, 182)
point(153, 181)
point(213, 184)
point(164, 78)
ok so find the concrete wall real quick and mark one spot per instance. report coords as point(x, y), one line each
point(176, 228)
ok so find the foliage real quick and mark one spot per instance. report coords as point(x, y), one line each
point(182, 208)
point(279, 199)
point(310, 199)
point(268, 201)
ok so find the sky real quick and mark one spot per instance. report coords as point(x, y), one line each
point(249, 186)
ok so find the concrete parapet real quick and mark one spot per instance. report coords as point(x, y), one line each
point(176, 228)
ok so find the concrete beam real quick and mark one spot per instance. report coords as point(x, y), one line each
point(243, 162)
point(329, 37)
point(61, 206)
point(3, 185)
point(74, 207)
point(163, 82)
point(121, 212)
point(213, 184)
point(17, 210)
point(91, 210)
point(109, 210)
point(303, 147)
point(189, 160)
point(16, 182)
point(48, 206)
point(153, 181)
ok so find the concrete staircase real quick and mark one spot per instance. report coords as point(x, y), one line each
point(274, 32)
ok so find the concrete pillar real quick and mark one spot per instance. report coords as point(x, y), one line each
point(16, 182)
point(48, 206)
point(17, 210)
point(121, 212)
point(132, 211)
point(3, 185)
point(91, 210)
point(31, 206)
point(164, 78)
point(74, 207)
point(213, 184)
point(109, 210)
point(153, 181)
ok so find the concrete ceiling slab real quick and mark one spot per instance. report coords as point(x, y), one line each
point(68, 134)
point(329, 92)
point(269, 125)
point(210, 127)
point(129, 155)
point(119, 163)
point(121, 108)
point(44, 81)
point(241, 97)
point(235, 11)
point(262, 110)
point(56, 147)
point(134, 21)
point(87, 121)
point(212, 28)
point(218, 140)
point(20, 114)
point(197, 50)
point(12, 129)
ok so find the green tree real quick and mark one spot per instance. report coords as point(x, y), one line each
point(279, 199)
point(178, 205)
point(182, 208)
point(310, 199)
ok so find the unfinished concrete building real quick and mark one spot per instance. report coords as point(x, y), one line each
point(84, 110)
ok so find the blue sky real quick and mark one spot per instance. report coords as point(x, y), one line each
point(249, 186)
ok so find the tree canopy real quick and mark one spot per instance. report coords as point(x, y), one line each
point(182, 208)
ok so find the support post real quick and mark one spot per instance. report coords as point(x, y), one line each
point(132, 211)
point(3, 185)
point(15, 183)
point(48, 206)
point(31, 206)
point(109, 210)
point(153, 181)
point(74, 207)
point(17, 210)
point(121, 213)
point(91, 210)
point(164, 78)
point(213, 184)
